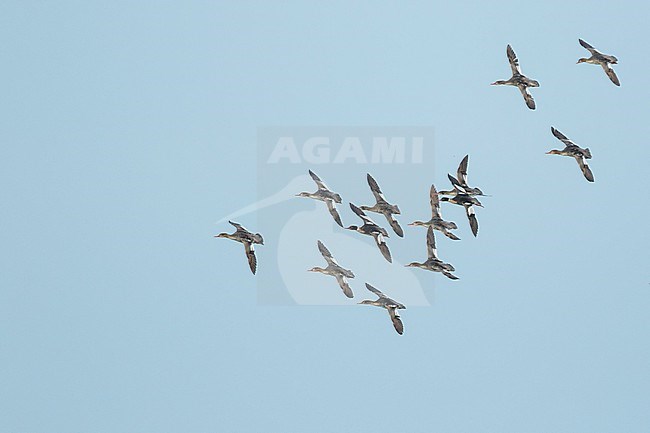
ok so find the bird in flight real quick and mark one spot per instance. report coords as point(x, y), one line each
point(323, 193)
point(390, 305)
point(334, 269)
point(433, 263)
point(370, 228)
point(248, 239)
point(436, 220)
point(383, 207)
point(604, 60)
point(518, 79)
point(575, 151)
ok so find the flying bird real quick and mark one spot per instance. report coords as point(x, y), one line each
point(518, 79)
point(390, 305)
point(335, 270)
point(575, 151)
point(461, 179)
point(467, 201)
point(248, 239)
point(383, 207)
point(433, 263)
point(436, 220)
point(603, 60)
point(324, 194)
point(370, 228)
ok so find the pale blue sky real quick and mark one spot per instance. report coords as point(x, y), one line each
point(128, 129)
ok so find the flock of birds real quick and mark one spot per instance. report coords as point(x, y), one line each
point(461, 194)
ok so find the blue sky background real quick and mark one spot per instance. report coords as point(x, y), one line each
point(128, 129)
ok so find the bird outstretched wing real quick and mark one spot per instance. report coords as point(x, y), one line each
point(397, 322)
point(610, 73)
point(374, 187)
point(562, 137)
point(432, 251)
point(461, 173)
point(514, 62)
point(332, 210)
point(250, 254)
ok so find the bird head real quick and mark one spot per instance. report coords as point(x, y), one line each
point(257, 238)
point(553, 152)
point(534, 83)
point(337, 199)
point(352, 228)
point(581, 60)
point(366, 302)
point(496, 83)
point(221, 235)
point(315, 269)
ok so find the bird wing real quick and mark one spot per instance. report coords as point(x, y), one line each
point(250, 254)
point(450, 235)
point(383, 247)
point(610, 73)
point(586, 171)
point(397, 322)
point(344, 286)
point(471, 216)
point(562, 137)
point(461, 173)
point(432, 252)
point(591, 49)
point(333, 212)
point(449, 275)
point(326, 254)
point(239, 227)
point(512, 58)
point(435, 202)
point(456, 184)
point(530, 102)
point(395, 225)
point(375, 291)
point(319, 182)
point(361, 214)
point(374, 187)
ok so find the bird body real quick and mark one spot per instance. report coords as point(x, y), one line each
point(370, 228)
point(248, 239)
point(324, 194)
point(436, 220)
point(433, 263)
point(335, 270)
point(604, 60)
point(461, 198)
point(573, 150)
point(518, 79)
point(383, 207)
point(461, 180)
point(389, 304)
